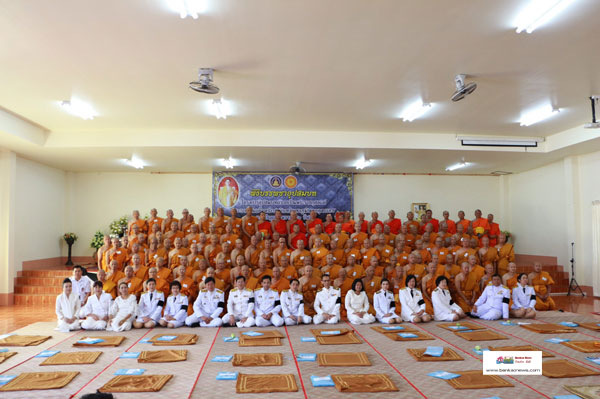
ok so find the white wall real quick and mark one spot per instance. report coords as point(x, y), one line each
point(96, 199)
point(452, 193)
point(39, 211)
point(589, 178)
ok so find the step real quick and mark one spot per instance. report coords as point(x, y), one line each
point(38, 289)
point(34, 299)
point(46, 273)
point(530, 259)
point(42, 281)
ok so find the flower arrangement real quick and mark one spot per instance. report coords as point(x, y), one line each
point(119, 226)
point(70, 238)
point(97, 240)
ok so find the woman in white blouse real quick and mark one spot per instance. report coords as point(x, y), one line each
point(413, 304)
point(357, 304)
point(67, 308)
point(444, 308)
point(524, 299)
point(123, 310)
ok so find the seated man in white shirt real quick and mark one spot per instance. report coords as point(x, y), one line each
point(524, 299)
point(207, 307)
point(67, 308)
point(96, 309)
point(267, 305)
point(82, 285)
point(384, 304)
point(327, 302)
point(176, 309)
point(444, 308)
point(240, 305)
point(493, 302)
point(292, 305)
point(150, 306)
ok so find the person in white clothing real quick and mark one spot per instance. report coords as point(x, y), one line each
point(292, 305)
point(96, 309)
point(82, 285)
point(123, 310)
point(357, 304)
point(208, 306)
point(384, 304)
point(327, 302)
point(240, 305)
point(67, 308)
point(524, 299)
point(493, 302)
point(150, 306)
point(412, 302)
point(176, 309)
point(267, 305)
point(444, 308)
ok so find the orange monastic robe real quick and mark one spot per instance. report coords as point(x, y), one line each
point(309, 292)
point(368, 254)
point(430, 286)
point(280, 285)
point(318, 256)
point(505, 256)
point(540, 284)
point(289, 273)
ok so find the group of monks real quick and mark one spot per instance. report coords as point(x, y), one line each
point(467, 252)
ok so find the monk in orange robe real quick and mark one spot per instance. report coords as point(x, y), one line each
point(212, 250)
point(140, 223)
point(294, 220)
point(464, 252)
point(288, 271)
point(506, 254)
point(113, 275)
point(428, 285)
point(542, 283)
point(162, 284)
point(318, 253)
point(313, 221)
point(450, 270)
point(309, 285)
point(348, 224)
point(167, 223)
point(329, 225)
point(140, 271)
point(278, 282)
point(488, 254)
point(205, 221)
point(264, 226)
point(177, 253)
point(494, 232)
point(344, 283)
point(134, 283)
point(358, 239)
point(100, 255)
point(393, 222)
point(361, 225)
point(467, 288)
point(117, 253)
point(462, 221)
point(154, 219)
point(339, 255)
point(330, 267)
point(353, 270)
point(449, 223)
point(298, 255)
point(509, 278)
point(414, 268)
point(222, 272)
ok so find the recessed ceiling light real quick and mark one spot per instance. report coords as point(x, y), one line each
point(134, 162)
point(188, 8)
point(220, 108)
point(538, 115)
point(79, 108)
point(458, 165)
point(415, 110)
point(363, 163)
point(228, 163)
point(539, 12)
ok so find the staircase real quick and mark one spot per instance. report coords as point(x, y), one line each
point(549, 264)
point(39, 287)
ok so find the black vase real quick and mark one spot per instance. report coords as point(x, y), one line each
point(69, 261)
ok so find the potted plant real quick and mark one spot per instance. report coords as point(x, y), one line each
point(70, 239)
point(97, 242)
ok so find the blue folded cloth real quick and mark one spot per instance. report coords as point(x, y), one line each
point(507, 323)
point(130, 371)
point(436, 351)
point(306, 357)
point(458, 327)
point(227, 375)
point(569, 324)
point(408, 335)
point(393, 328)
point(129, 355)
point(444, 375)
point(90, 341)
point(321, 381)
point(567, 397)
point(330, 332)
point(593, 359)
point(480, 351)
point(47, 353)
point(166, 338)
point(557, 340)
point(2, 350)
point(4, 379)
point(222, 359)
point(231, 339)
point(6, 335)
point(145, 341)
point(253, 333)
point(308, 339)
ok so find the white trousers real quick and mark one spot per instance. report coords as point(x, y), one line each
point(411, 317)
point(275, 320)
point(176, 323)
point(318, 319)
point(114, 325)
point(63, 326)
point(216, 322)
point(486, 312)
point(91, 324)
point(367, 318)
point(388, 320)
point(302, 319)
point(249, 322)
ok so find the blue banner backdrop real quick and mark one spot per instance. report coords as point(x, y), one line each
point(268, 192)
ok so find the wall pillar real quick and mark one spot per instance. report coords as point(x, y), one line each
point(8, 165)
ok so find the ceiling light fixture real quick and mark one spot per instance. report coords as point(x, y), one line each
point(188, 8)
point(459, 165)
point(538, 115)
point(79, 108)
point(539, 12)
point(228, 163)
point(220, 108)
point(134, 162)
point(362, 163)
point(499, 141)
point(415, 110)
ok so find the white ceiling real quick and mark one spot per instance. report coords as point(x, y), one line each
point(310, 66)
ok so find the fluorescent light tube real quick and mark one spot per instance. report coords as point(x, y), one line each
point(228, 163)
point(79, 108)
point(134, 162)
point(457, 166)
point(539, 12)
point(362, 163)
point(188, 8)
point(537, 115)
point(220, 108)
point(415, 110)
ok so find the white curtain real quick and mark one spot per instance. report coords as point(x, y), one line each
point(596, 246)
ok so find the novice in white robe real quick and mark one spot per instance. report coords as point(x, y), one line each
point(123, 310)
point(357, 304)
point(67, 308)
point(96, 309)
